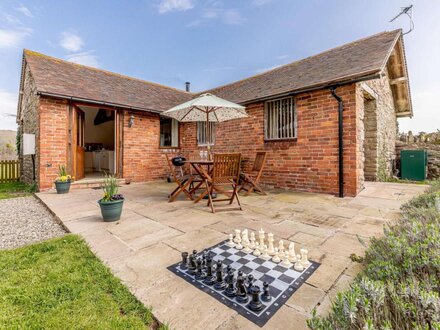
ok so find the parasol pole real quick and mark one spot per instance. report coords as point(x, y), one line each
point(207, 134)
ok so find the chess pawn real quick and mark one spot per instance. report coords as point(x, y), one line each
point(252, 241)
point(304, 260)
point(292, 252)
point(298, 265)
point(270, 248)
point(286, 260)
point(281, 249)
point(257, 251)
point(276, 258)
point(246, 247)
point(266, 293)
point(250, 283)
point(261, 237)
point(238, 246)
point(237, 235)
point(265, 255)
point(231, 241)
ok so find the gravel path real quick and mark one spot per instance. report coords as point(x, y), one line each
point(23, 220)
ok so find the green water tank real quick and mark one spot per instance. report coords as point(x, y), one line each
point(413, 164)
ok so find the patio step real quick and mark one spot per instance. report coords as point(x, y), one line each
point(92, 183)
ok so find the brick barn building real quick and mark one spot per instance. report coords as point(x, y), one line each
point(92, 120)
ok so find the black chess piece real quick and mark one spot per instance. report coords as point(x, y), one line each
point(204, 259)
point(192, 265)
point(255, 305)
point(199, 271)
point(250, 282)
point(209, 279)
point(219, 282)
point(242, 296)
point(183, 264)
point(230, 289)
point(266, 292)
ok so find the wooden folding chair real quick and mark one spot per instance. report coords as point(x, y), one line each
point(183, 181)
point(225, 172)
point(250, 180)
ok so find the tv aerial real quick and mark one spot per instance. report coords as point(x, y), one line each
point(408, 12)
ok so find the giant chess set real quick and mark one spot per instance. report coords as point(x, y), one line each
point(246, 274)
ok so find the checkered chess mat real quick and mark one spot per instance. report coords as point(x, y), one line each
point(283, 282)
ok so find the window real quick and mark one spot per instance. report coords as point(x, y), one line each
point(280, 119)
point(201, 133)
point(169, 132)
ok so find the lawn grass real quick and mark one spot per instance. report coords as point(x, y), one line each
point(60, 284)
point(15, 189)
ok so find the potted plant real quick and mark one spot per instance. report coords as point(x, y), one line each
point(111, 203)
point(62, 182)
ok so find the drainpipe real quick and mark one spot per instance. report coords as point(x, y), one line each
point(341, 143)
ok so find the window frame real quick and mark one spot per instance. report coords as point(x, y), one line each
point(213, 132)
point(178, 134)
point(294, 129)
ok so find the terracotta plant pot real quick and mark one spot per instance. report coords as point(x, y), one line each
point(111, 211)
point(62, 187)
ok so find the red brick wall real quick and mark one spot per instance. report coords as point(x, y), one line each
point(309, 163)
point(52, 140)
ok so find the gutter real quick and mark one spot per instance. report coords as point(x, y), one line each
point(341, 141)
point(109, 104)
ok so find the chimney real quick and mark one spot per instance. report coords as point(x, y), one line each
point(187, 86)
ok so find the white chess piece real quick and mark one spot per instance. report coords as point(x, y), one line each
point(292, 252)
point(265, 255)
point(257, 251)
point(261, 237)
point(304, 260)
point(286, 260)
point(252, 241)
point(270, 248)
point(244, 236)
point(246, 247)
point(281, 248)
point(276, 259)
point(237, 235)
point(231, 241)
point(239, 246)
point(298, 265)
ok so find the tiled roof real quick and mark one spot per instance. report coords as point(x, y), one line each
point(355, 60)
point(60, 77)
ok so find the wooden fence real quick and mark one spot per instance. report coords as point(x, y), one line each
point(9, 170)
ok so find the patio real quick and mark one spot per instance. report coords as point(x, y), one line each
point(152, 233)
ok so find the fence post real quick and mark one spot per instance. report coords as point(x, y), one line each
point(9, 170)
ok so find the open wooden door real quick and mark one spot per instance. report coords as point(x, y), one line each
point(78, 143)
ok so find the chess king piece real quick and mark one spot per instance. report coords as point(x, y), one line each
point(231, 241)
point(304, 260)
point(286, 260)
point(238, 246)
point(281, 248)
point(184, 263)
point(192, 265)
point(276, 258)
point(252, 241)
point(261, 237)
point(246, 248)
point(292, 252)
point(209, 278)
point(219, 282)
point(230, 289)
point(266, 292)
point(265, 255)
point(199, 271)
point(241, 289)
point(250, 283)
point(257, 251)
point(237, 235)
point(270, 248)
point(255, 304)
point(298, 265)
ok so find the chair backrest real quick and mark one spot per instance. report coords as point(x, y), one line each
point(260, 159)
point(226, 166)
point(176, 171)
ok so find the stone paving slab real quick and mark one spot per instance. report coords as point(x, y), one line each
point(152, 233)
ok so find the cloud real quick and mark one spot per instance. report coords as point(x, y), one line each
point(224, 68)
point(282, 57)
point(166, 6)
point(226, 16)
point(8, 109)
point(13, 38)
point(267, 69)
point(84, 58)
point(261, 2)
point(24, 10)
point(71, 41)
